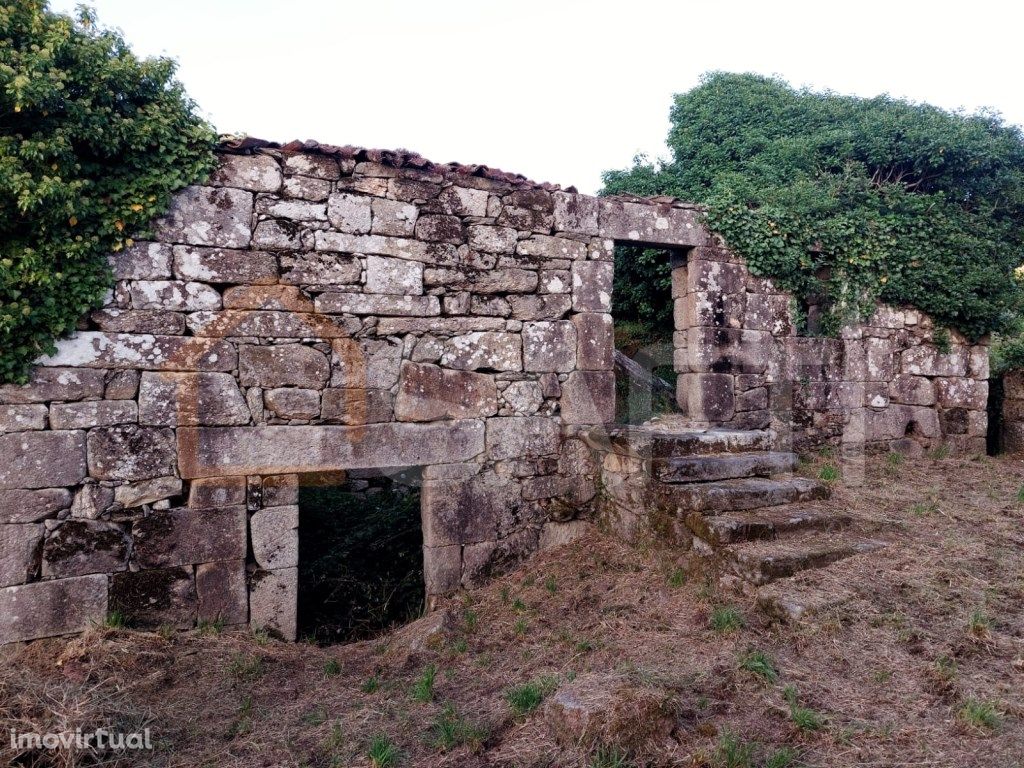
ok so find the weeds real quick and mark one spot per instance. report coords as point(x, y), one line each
point(243, 720)
point(551, 585)
point(525, 698)
point(115, 620)
point(382, 752)
point(372, 685)
point(829, 473)
point(332, 668)
point(423, 688)
point(732, 752)
point(759, 664)
point(520, 627)
point(804, 718)
point(1020, 495)
point(726, 619)
point(609, 757)
point(980, 714)
point(452, 730)
point(245, 668)
point(470, 620)
point(784, 757)
point(213, 628)
point(677, 578)
point(979, 624)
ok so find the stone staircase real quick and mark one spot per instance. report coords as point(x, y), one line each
point(750, 516)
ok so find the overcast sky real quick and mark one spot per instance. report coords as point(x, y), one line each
point(558, 90)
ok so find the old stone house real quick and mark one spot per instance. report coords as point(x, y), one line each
point(314, 309)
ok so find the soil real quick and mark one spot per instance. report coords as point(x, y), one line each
point(920, 661)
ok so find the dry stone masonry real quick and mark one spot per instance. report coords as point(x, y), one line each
point(313, 309)
point(1013, 412)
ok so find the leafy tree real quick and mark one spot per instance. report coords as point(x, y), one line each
point(93, 142)
point(854, 199)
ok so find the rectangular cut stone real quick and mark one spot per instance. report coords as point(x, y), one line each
point(41, 459)
point(391, 217)
point(130, 452)
point(575, 213)
point(18, 418)
point(212, 492)
point(142, 261)
point(293, 403)
point(279, 325)
point(275, 537)
point(588, 397)
point(381, 245)
point(208, 216)
point(95, 413)
point(657, 224)
point(547, 307)
point(147, 491)
point(256, 173)
point(462, 201)
point(552, 247)
point(592, 286)
point(319, 269)
point(926, 360)
point(350, 213)
point(173, 295)
point(429, 393)
point(219, 451)
point(175, 537)
point(218, 265)
point(139, 321)
point(80, 547)
point(150, 599)
point(50, 608)
point(178, 399)
point(90, 349)
point(222, 592)
point(502, 281)
point(488, 351)
point(466, 511)
point(490, 239)
point(291, 210)
point(376, 304)
point(549, 346)
point(19, 553)
point(282, 365)
point(277, 234)
point(728, 350)
point(32, 506)
point(306, 188)
point(273, 602)
point(46, 384)
point(319, 166)
point(595, 343)
point(357, 406)
point(365, 364)
point(385, 275)
point(515, 437)
point(288, 298)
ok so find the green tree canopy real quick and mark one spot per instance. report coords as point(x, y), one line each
point(93, 141)
point(855, 199)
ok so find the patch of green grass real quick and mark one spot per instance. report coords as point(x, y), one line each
point(525, 698)
point(382, 752)
point(979, 623)
point(804, 718)
point(372, 685)
point(451, 730)
point(423, 688)
point(520, 627)
point(784, 757)
point(470, 620)
point(726, 619)
point(332, 668)
point(115, 620)
point(759, 664)
point(733, 752)
point(923, 508)
point(980, 714)
point(583, 646)
point(261, 636)
point(550, 584)
point(894, 460)
point(460, 645)
point(243, 719)
point(245, 668)
point(206, 627)
point(1020, 495)
point(609, 757)
point(316, 716)
point(945, 668)
point(677, 578)
point(518, 605)
point(829, 473)
point(942, 452)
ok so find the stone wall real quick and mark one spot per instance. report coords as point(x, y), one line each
point(1013, 412)
point(892, 382)
point(310, 310)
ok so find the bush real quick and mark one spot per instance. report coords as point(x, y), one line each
point(855, 200)
point(93, 143)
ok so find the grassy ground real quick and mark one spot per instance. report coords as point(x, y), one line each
point(922, 665)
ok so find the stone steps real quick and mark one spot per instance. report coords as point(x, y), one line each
point(666, 441)
point(723, 466)
point(764, 524)
point(742, 494)
point(761, 562)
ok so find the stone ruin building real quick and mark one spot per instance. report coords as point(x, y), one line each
point(313, 309)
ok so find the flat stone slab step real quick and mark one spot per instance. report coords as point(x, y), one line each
point(723, 466)
point(769, 523)
point(761, 562)
point(665, 441)
point(744, 494)
point(790, 601)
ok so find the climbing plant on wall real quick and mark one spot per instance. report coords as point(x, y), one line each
point(93, 141)
point(853, 199)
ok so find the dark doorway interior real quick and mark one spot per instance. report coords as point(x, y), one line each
point(996, 395)
point(360, 555)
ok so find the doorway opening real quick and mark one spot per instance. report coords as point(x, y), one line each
point(648, 280)
point(996, 398)
point(360, 554)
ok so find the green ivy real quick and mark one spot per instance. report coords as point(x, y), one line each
point(857, 200)
point(93, 142)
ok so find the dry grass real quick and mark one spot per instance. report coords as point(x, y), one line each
point(922, 665)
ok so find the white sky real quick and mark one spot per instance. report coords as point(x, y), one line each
point(558, 90)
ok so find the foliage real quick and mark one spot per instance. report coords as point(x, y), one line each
point(361, 570)
point(850, 199)
point(525, 698)
point(93, 142)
